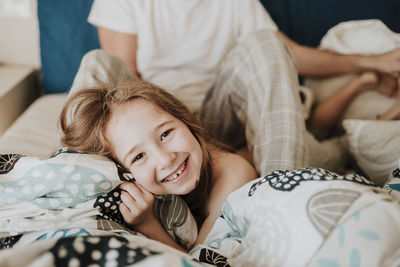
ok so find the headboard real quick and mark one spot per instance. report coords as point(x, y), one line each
point(65, 35)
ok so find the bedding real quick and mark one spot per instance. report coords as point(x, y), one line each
point(34, 133)
point(306, 217)
point(392, 184)
point(72, 194)
point(375, 146)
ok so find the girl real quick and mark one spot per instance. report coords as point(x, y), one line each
point(156, 138)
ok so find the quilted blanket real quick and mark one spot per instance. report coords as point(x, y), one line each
point(306, 217)
point(60, 212)
point(64, 211)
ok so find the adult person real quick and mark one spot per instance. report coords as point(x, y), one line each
point(191, 48)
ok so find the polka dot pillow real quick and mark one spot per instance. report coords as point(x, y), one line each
point(65, 180)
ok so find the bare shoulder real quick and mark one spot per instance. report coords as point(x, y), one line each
point(231, 167)
point(230, 172)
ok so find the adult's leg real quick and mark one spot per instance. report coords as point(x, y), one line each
point(256, 94)
point(98, 66)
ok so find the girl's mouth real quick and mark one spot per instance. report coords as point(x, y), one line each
point(178, 173)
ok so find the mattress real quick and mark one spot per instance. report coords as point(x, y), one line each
point(35, 132)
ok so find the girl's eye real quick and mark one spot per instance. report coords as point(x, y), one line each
point(138, 157)
point(165, 134)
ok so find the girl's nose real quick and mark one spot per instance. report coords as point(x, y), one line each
point(164, 157)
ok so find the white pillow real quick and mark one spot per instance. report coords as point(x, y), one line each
point(375, 145)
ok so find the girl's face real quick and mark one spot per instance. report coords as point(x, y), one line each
point(158, 149)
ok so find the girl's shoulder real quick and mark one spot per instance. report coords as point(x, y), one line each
point(232, 167)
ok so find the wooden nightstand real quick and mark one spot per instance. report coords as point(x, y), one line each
point(18, 88)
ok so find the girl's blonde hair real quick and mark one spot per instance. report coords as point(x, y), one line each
point(85, 114)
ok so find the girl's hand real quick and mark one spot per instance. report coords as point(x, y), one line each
point(137, 204)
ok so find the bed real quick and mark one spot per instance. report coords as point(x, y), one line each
point(58, 207)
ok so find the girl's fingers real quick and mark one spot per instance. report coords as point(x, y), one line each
point(130, 215)
point(125, 212)
point(128, 199)
point(132, 189)
point(136, 196)
point(124, 209)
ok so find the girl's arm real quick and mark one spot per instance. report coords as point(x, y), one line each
point(137, 209)
point(318, 63)
point(230, 172)
point(123, 45)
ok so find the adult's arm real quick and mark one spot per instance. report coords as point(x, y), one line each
point(318, 63)
point(123, 45)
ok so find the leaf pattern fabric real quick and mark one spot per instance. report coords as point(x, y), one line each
point(306, 217)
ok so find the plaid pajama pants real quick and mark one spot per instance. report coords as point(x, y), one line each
point(256, 99)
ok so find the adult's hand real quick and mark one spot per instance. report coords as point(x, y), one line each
point(388, 62)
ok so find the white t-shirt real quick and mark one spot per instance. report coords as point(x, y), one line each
point(182, 42)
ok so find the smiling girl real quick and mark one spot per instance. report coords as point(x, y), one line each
point(154, 136)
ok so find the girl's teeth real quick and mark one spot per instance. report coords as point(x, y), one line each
point(177, 173)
